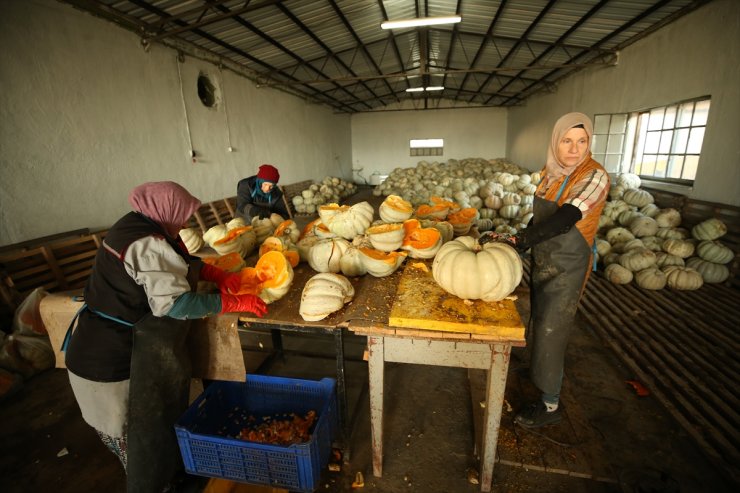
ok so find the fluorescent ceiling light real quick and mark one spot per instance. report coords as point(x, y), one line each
point(422, 89)
point(422, 21)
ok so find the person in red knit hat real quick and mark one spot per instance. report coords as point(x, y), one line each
point(259, 195)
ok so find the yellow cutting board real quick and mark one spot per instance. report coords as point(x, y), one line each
point(421, 303)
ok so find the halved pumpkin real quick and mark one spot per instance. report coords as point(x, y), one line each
point(421, 242)
point(232, 234)
point(275, 275)
point(432, 211)
point(381, 264)
point(282, 245)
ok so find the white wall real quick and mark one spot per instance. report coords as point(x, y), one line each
point(697, 55)
point(380, 141)
point(86, 114)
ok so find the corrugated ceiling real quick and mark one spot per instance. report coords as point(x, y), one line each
point(334, 52)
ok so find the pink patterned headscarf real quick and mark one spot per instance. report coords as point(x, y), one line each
point(164, 202)
point(554, 168)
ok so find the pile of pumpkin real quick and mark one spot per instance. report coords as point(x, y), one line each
point(639, 241)
point(501, 191)
point(347, 241)
point(330, 190)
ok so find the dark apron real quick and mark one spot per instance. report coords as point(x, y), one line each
point(559, 269)
point(158, 395)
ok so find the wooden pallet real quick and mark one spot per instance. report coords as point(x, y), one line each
point(59, 265)
point(683, 346)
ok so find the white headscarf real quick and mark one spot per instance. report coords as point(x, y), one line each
point(554, 168)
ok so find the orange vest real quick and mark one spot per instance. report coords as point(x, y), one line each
point(589, 223)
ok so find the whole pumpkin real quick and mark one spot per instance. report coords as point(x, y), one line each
point(465, 269)
point(711, 229)
point(643, 226)
point(637, 259)
point(617, 274)
point(710, 272)
point(683, 278)
point(679, 248)
point(637, 197)
point(668, 218)
point(651, 278)
point(714, 251)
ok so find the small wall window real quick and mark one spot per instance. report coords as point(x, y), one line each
point(661, 144)
point(426, 147)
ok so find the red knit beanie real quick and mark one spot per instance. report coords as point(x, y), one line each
point(269, 173)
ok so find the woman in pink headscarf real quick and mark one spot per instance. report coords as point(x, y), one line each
point(126, 358)
point(567, 205)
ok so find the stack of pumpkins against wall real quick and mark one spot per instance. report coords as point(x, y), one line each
point(638, 241)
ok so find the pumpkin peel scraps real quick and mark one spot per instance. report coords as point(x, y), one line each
point(359, 481)
point(639, 388)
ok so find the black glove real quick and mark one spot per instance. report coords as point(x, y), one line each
point(263, 212)
point(492, 236)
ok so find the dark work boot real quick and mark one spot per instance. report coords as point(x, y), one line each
point(535, 415)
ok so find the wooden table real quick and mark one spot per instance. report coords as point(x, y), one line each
point(467, 335)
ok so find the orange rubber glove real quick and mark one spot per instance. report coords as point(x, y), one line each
point(226, 281)
point(243, 303)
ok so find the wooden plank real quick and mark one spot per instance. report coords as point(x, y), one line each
point(420, 303)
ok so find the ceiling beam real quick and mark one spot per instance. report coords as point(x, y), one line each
point(514, 48)
point(189, 27)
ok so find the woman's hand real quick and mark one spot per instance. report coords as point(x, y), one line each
point(226, 281)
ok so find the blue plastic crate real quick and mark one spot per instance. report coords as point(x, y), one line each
point(203, 432)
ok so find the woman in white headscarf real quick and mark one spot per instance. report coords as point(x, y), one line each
point(567, 206)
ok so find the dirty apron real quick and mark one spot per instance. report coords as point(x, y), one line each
point(158, 395)
point(559, 268)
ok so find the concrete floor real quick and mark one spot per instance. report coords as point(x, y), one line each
point(611, 440)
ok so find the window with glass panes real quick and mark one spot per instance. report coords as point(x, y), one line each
point(609, 140)
point(662, 144)
point(669, 141)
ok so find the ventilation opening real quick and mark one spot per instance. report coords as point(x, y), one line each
point(206, 91)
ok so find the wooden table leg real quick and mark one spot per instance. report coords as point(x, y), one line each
point(375, 364)
point(342, 393)
point(492, 416)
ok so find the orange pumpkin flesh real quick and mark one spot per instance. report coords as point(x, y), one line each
point(432, 210)
point(231, 262)
point(417, 237)
point(232, 234)
point(274, 244)
point(383, 228)
point(270, 271)
point(388, 258)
